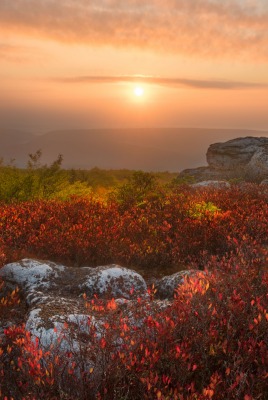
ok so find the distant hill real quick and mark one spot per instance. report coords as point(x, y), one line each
point(154, 149)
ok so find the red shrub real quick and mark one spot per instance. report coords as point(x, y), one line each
point(209, 343)
point(168, 231)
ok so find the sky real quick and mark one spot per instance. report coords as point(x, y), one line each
point(78, 63)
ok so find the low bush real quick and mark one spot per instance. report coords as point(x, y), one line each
point(209, 343)
point(167, 231)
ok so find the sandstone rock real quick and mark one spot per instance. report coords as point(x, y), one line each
point(241, 158)
point(31, 274)
point(235, 152)
point(212, 184)
point(61, 323)
point(202, 174)
point(167, 286)
point(54, 298)
point(69, 320)
point(259, 162)
point(114, 281)
point(53, 292)
point(48, 321)
point(64, 328)
point(38, 278)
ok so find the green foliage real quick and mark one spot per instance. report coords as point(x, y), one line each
point(203, 210)
point(94, 177)
point(10, 183)
point(77, 189)
point(140, 185)
point(181, 180)
point(42, 181)
point(38, 181)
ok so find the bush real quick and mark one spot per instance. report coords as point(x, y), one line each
point(35, 182)
point(209, 343)
point(139, 187)
point(168, 231)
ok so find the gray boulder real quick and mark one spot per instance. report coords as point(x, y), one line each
point(64, 323)
point(259, 162)
point(212, 184)
point(54, 294)
point(235, 152)
point(241, 158)
point(40, 278)
point(31, 275)
point(166, 286)
point(113, 281)
point(52, 291)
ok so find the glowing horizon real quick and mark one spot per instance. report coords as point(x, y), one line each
point(199, 65)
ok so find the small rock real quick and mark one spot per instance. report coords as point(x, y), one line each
point(212, 184)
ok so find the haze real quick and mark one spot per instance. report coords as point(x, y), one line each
point(73, 64)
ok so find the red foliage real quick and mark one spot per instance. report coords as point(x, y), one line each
point(209, 343)
point(163, 232)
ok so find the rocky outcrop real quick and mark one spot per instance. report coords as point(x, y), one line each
point(35, 277)
point(245, 158)
point(166, 287)
point(71, 312)
point(238, 152)
point(212, 184)
point(54, 292)
point(54, 295)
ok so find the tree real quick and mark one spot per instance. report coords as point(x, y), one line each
point(43, 181)
point(139, 186)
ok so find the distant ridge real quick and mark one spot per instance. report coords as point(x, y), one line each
point(148, 149)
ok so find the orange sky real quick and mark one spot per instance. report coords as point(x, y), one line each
point(75, 63)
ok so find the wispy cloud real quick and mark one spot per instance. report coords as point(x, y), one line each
point(204, 27)
point(14, 53)
point(162, 81)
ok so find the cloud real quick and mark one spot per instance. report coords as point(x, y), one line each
point(213, 28)
point(162, 81)
point(14, 53)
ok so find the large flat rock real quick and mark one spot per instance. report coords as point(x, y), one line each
point(243, 158)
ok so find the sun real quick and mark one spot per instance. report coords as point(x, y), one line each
point(138, 91)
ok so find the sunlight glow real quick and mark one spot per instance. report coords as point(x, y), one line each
point(139, 91)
